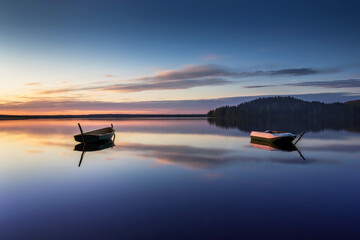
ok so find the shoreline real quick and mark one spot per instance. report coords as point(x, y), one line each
point(104, 116)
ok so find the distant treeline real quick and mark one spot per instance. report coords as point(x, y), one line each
point(99, 116)
point(287, 114)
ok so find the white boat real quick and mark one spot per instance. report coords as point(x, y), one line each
point(272, 136)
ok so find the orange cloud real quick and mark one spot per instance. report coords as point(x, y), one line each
point(32, 84)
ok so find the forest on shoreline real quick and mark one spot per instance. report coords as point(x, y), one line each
point(287, 114)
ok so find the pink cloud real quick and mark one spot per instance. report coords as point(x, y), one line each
point(211, 57)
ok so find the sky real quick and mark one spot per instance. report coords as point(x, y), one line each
point(83, 57)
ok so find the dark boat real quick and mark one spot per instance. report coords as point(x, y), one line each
point(92, 147)
point(99, 135)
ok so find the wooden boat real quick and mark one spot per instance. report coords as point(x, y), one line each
point(272, 136)
point(99, 135)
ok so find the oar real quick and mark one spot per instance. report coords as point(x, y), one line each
point(301, 135)
point(82, 155)
point(299, 153)
point(82, 134)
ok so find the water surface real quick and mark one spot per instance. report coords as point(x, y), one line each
point(175, 179)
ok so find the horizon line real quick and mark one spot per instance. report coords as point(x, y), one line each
point(100, 116)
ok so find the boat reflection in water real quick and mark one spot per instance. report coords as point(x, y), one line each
point(273, 146)
point(92, 147)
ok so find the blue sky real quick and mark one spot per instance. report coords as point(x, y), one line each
point(126, 52)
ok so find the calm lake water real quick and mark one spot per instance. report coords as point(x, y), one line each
point(175, 179)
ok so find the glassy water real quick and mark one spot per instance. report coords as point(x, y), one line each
point(175, 179)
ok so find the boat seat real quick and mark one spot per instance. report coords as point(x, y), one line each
point(270, 131)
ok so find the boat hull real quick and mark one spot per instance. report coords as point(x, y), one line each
point(94, 139)
point(276, 140)
point(100, 135)
point(92, 147)
point(270, 146)
point(272, 137)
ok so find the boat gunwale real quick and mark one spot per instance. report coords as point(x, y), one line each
point(98, 132)
point(276, 135)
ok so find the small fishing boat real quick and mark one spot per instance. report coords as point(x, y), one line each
point(266, 142)
point(99, 135)
point(272, 136)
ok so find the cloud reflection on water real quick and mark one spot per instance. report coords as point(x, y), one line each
point(195, 157)
point(190, 144)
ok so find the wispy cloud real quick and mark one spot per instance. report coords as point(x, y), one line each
point(347, 83)
point(63, 81)
point(189, 72)
point(183, 84)
point(108, 76)
point(32, 84)
point(287, 72)
point(188, 77)
point(293, 72)
point(68, 89)
point(138, 87)
point(211, 57)
point(259, 86)
point(212, 70)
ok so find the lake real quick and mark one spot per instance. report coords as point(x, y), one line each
point(175, 179)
